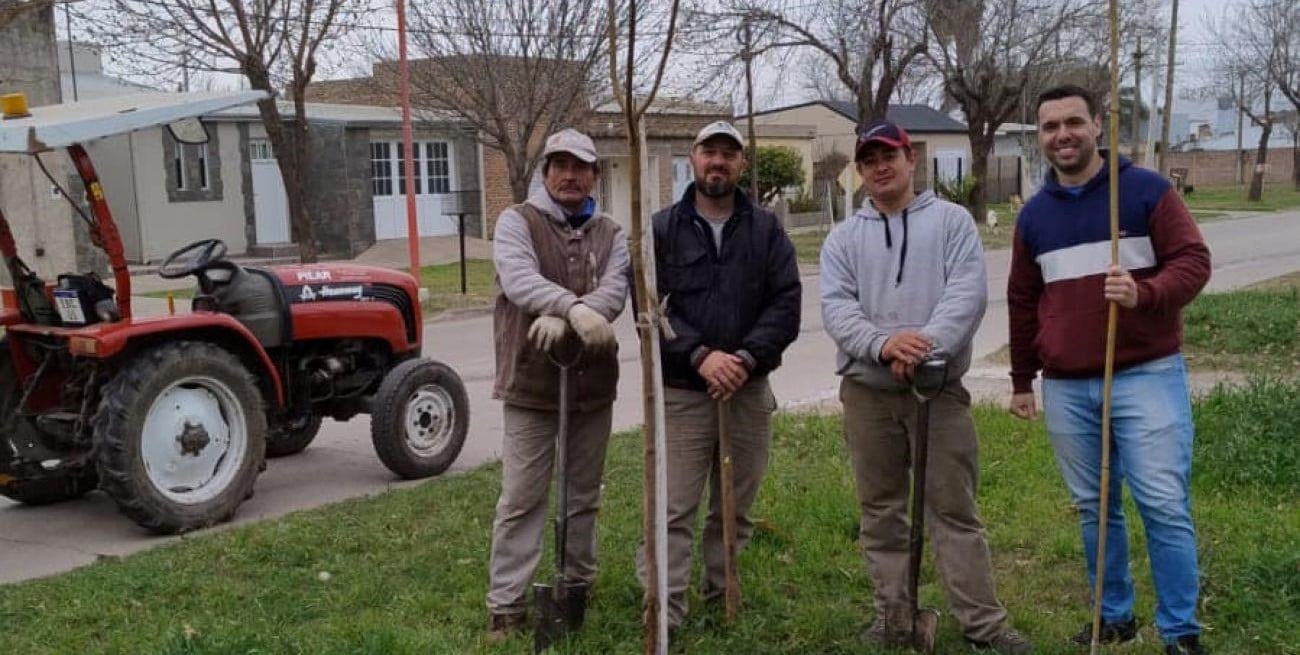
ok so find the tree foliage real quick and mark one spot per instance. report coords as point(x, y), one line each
point(777, 168)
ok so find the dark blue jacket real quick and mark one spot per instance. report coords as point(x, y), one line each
point(745, 301)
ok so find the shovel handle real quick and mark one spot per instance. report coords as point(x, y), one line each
point(731, 587)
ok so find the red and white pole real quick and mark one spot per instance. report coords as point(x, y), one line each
point(408, 145)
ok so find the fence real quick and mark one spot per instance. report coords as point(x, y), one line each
point(1220, 167)
point(1002, 181)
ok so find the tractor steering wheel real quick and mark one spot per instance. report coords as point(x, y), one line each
point(193, 259)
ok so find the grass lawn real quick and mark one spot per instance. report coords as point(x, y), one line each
point(407, 569)
point(1233, 198)
point(1255, 329)
point(443, 283)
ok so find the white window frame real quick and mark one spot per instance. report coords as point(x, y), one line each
point(433, 169)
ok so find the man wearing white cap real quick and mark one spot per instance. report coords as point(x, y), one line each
point(729, 274)
point(562, 270)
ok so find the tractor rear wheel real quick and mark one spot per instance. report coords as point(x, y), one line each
point(419, 418)
point(180, 436)
point(290, 440)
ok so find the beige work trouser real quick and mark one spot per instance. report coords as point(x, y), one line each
point(878, 429)
point(692, 427)
point(527, 454)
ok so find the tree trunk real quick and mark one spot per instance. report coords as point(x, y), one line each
point(980, 146)
point(1261, 156)
point(290, 147)
point(296, 190)
point(1295, 158)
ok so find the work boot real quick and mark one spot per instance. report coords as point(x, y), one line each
point(1008, 643)
point(1186, 645)
point(503, 626)
point(575, 609)
point(884, 634)
point(1116, 632)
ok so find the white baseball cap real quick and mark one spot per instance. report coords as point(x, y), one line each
point(573, 142)
point(720, 128)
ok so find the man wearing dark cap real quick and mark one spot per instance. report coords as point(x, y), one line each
point(903, 281)
point(562, 271)
point(728, 272)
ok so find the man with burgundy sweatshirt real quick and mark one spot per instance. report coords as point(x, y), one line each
point(1058, 292)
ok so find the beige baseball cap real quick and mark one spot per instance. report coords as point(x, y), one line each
point(720, 128)
point(573, 142)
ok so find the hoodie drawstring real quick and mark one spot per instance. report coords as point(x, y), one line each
point(902, 254)
point(889, 244)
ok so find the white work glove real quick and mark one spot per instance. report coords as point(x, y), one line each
point(546, 331)
point(592, 328)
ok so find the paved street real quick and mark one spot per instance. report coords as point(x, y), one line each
point(36, 542)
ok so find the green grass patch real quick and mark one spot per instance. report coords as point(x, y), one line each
point(408, 568)
point(1255, 329)
point(443, 283)
point(808, 242)
point(808, 245)
point(1233, 198)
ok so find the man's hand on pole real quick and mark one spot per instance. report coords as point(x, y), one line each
point(546, 331)
point(908, 347)
point(594, 330)
point(1121, 288)
point(725, 373)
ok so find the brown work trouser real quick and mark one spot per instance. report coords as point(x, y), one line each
point(527, 453)
point(878, 426)
point(692, 427)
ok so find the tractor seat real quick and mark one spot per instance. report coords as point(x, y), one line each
point(255, 297)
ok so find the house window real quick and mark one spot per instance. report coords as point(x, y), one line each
point(432, 163)
point(381, 169)
point(203, 165)
point(439, 166)
point(401, 169)
point(260, 150)
point(178, 165)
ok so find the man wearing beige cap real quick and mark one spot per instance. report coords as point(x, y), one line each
point(562, 272)
point(729, 274)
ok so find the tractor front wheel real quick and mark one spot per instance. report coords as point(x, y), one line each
point(180, 436)
point(419, 418)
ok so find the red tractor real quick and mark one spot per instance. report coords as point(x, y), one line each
point(173, 416)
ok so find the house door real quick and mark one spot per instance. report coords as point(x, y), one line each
point(270, 204)
point(433, 174)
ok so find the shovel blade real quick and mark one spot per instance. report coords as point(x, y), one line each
point(552, 619)
point(925, 628)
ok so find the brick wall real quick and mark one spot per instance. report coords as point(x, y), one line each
point(1219, 167)
point(496, 187)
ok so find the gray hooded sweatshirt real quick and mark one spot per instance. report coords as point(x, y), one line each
point(920, 269)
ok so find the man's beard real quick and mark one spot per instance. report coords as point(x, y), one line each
point(716, 190)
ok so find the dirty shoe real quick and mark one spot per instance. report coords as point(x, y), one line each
point(1009, 642)
point(1186, 645)
point(884, 634)
point(1112, 632)
point(502, 626)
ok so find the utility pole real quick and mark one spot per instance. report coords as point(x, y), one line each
point(1135, 148)
point(1148, 157)
point(72, 53)
point(1169, 93)
point(747, 55)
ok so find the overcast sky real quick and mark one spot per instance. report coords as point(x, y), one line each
point(1193, 59)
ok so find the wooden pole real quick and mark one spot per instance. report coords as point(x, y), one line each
point(1112, 323)
point(727, 485)
point(1169, 92)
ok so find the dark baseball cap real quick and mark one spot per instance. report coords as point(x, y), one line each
point(882, 131)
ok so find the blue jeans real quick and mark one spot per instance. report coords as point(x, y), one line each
point(1151, 448)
